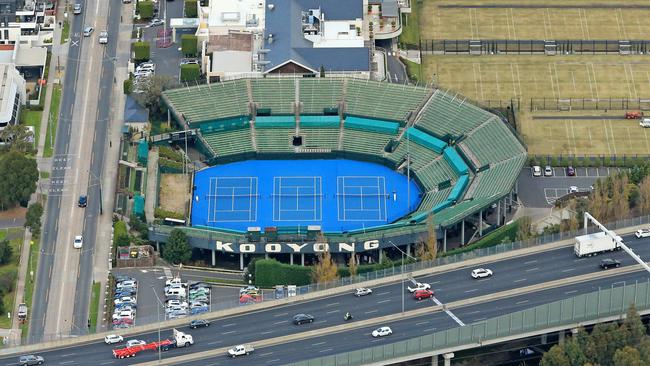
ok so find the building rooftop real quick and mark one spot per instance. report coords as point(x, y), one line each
point(237, 13)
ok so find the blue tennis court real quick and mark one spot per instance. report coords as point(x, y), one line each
point(338, 195)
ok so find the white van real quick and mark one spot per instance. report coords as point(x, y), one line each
point(176, 291)
point(645, 122)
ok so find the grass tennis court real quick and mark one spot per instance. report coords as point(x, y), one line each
point(544, 21)
point(338, 195)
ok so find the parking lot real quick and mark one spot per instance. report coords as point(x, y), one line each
point(544, 191)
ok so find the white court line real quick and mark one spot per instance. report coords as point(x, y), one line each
point(448, 312)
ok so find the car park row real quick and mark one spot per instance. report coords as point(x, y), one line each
point(183, 299)
point(125, 302)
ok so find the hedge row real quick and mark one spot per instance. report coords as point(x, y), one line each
point(579, 162)
point(170, 154)
point(269, 272)
point(504, 234)
point(161, 214)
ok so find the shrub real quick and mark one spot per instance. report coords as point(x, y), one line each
point(189, 45)
point(8, 280)
point(160, 213)
point(141, 50)
point(269, 272)
point(170, 154)
point(6, 251)
point(120, 234)
point(128, 86)
point(145, 9)
point(190, 72)
point(190, 9)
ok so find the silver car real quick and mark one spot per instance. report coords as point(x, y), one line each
point(88, 31)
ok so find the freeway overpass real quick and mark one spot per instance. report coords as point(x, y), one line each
point(520, 282)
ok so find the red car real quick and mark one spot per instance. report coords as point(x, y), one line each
point(422, 294)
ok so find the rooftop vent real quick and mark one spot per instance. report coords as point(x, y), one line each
point(271, 6)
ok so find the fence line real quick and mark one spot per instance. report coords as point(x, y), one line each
point(531, 47)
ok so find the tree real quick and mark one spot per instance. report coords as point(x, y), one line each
point(145, 9)
point(325, 270)
point(634, 327)
point(627, 356)
point(19, 138)
point(5, 251)
point(598, 201)
point(190, 9)
point(429, 250)
point(525, 228)
point(19, 175)
point(141, 50)
point(190, 73)
point(555, 357)
point(352, 264)
point(177, 249)
point(189, 45)
point(619, 207)
point(152, 91)
point(644, 196)
point(571, 223)
point(33, 219)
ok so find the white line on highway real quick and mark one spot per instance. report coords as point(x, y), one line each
point(472, 290)
point(68, 354)
point(213, 343)
point(568, 270)
point(433, 283)
point(280, 322)
point(325, 350)
point(231, 325)
point(371, 311)
point(332, 304)
point(267, 332)
point(429, 330)
point(531, 262)
point(519, 280)
point(420, 323)
point(474, 312)
point(332, 312)
point(66, 362)
point(279, 315)
point(571, 292)
point(273, 361)
point(448, 312)
point(232, 331)
point(383, 301)
point(318, 344)
point(579, 259)
point(479, 319)
point(532, 269)
point(383, 293)
point(106, 363)
point(521, 302)
point(266, 354)
point(320, 322)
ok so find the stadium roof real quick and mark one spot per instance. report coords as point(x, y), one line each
point(289, 45)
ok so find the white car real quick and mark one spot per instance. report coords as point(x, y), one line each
point(151, 66)
point(124, 299)
point(645, 122)
point(362, 292)
point(383, 331)
point(143, 73)
point(103, 37)
point(135, 342)
point(537, 171)
point(172, 303)
point(642, 233)
point(113, 338)
point(481, 273)
point(78, 242)
point(124, 314)
point(573, 189)
point(419, 286)
point(548, 171)
point(130, 283)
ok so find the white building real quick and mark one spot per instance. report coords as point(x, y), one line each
point(12, 94)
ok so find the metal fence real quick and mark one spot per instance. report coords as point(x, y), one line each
point(593, 306)
point(532, 46)
point(588, 104)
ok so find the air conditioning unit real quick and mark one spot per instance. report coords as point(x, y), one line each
point(271, 6)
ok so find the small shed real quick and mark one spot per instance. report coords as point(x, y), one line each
point(135, 115)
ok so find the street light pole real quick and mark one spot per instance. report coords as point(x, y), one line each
point(403, 274)
point(158, 312)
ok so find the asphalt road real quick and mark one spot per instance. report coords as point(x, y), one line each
point(86, 260)
point(58, 182)
point(449, 286)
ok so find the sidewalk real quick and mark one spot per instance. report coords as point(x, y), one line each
point(15, 336)
point(102, 258)
point(152, 184)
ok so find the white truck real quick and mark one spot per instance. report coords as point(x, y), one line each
point(592, 244)
point(240, 350)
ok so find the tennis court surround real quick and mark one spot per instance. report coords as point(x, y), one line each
point(339, 195)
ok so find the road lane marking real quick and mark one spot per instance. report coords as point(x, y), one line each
point(325, 350)
point(474, 312)
point(371, 311)
point(266, 354)
point(106, 363)
point(383, 301)
point(429, 330)
point(66, 362)
point(267, 332)
point(531, 262)
point(279, 315)
point(280, 322)
point(320, 322)
point(383, 293)
point(433, 283)
point(444, 308)
point(230, 332)
point(420, 323)
point(332, 304)
point(519, 280)
point(521, 302)
point(318, 344)
point(579, 259)
point(568, 270)
point(213, 343)
point(68, 354)
point(532, 269)
point(229, 325)
point(273, 361)
point(472, 290)
point(332, 312)
point(571, 292)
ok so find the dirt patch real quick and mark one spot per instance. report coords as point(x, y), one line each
point(17, 212)
point(174, 192)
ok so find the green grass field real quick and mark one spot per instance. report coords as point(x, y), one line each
point(65, 33)
point(54, 118)
point(94, 306)
point(29, 283)
point(16, 239)
point(543, 22)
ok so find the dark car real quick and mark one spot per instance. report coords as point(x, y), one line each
point(30, 360)
point(122, 278)
point(83, 201)
point(302, 318)
point(570, 171)
point(196, 285)
point(609, 263)
point(199, 323)
point(123, 294)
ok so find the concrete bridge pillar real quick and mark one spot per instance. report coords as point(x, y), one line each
point(444, 241)
point(214, 257)
point(241, 261)
point(302, 259)
point(266, 255)
point(560, 337)
point(544, 339)
point(462, 232)
point(291, 259)
point(434, 360)
point(447, 357)
point(480, 223)
point(408, 249)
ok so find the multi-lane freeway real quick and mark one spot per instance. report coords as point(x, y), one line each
point(451, 286)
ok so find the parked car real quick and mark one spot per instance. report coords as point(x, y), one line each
point(537, 171)
point(548, 171)
point(609, 263)
point(189, 61)
point(418, 286)
point(113, 338)
point(302, 318)
point(124, 299)
point(199, 323)
point(570, 171)
point(381, 332)
point(422, 294)
point(362, 292)
point(199, 310)
point(174, 302)
point(481, 273)
point(199, 284)
point(642, 233)
point(573, 189)
point(247, 289)
point(29, 360)
point(131, 283)
point(155, 22)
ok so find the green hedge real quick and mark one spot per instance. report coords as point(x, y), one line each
point(269, 272)
point(120, 234)
point(189, 45)
point(190, 9)
point(171, 165)
point(128, 86)
point(161, 214)
point(145, 9)
point(504, 234)
point(190, 72)
point(170, 154)
point(141, 50)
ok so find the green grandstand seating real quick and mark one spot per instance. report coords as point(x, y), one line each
point(491, 182)
point(431, 199)
point(324, 138)
point(365, 142)
point(230, 142)
point(382, 100)
point(420, 155)
point(274, 139)
point(435, 173)
point(492, 142)
point(278, 94)
point(448, 113)
point(317, 94)
point(210, 102)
